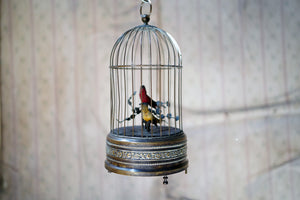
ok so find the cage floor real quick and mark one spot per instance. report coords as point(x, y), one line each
point(137, 131)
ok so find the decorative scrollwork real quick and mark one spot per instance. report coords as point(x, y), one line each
point(146, 155)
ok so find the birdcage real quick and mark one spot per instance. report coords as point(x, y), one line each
point(146, 136)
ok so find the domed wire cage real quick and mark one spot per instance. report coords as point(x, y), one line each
point(146, 136)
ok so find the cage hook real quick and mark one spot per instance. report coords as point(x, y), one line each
point(146, 16)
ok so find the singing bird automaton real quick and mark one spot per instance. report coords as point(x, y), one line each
point(146, 135)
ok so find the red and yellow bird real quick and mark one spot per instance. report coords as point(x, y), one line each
point(145, 98)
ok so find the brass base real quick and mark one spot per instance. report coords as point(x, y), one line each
point(148, 155)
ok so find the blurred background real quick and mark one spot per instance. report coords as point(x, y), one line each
point(241, 87)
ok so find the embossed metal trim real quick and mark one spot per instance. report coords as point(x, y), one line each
point(144, 147)
point(146, 155)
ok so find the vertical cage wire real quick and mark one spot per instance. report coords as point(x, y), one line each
point(146, 55)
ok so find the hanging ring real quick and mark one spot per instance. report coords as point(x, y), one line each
point(145, 17)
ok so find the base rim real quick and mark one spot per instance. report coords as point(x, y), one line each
point(143, 172)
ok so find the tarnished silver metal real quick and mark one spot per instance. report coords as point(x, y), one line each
point(141, 156)
point(146, 131)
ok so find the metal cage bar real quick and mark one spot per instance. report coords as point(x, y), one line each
point(156, 56)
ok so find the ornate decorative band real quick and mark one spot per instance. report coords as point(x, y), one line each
point(146, 155)
point(112, 145)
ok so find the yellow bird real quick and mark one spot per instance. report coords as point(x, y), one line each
point(148, 117)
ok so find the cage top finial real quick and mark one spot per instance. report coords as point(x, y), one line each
point(145, 15)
